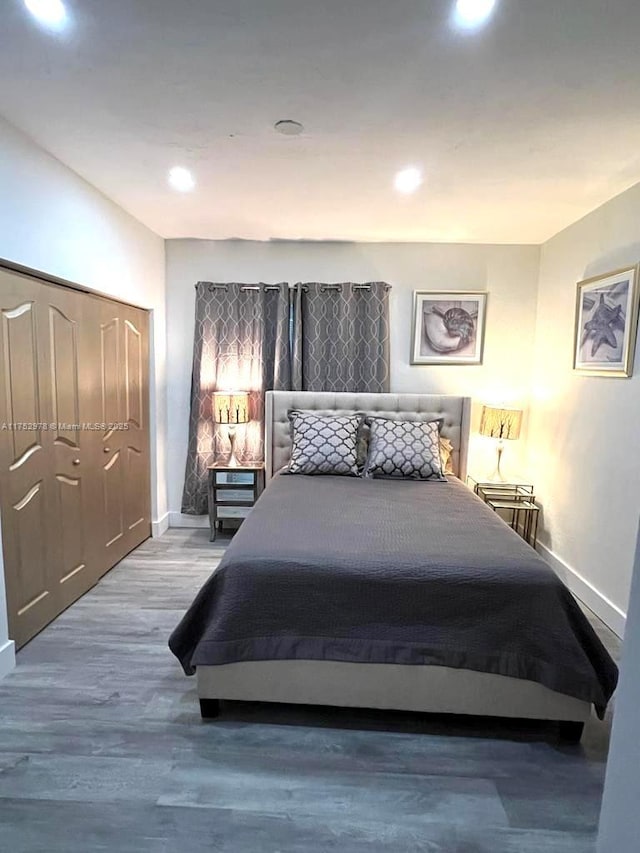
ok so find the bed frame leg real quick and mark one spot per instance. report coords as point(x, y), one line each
point(570, 732)
point(209, 708)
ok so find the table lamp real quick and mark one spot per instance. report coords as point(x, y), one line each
point(231, 408)
point(503, 424)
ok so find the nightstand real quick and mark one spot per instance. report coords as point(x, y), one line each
point(232, 493)
point(516, 489)
point(524, 516)
point(514, 499)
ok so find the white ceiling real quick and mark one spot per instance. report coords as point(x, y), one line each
point(520, 129)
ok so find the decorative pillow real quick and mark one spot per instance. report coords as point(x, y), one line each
point(324, 444)
point(363, 431)
point(446, 448)
point(446, 452)
point(406, 449)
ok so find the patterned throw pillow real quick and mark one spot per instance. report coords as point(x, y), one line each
point(324, 444)
point(446, 447)
point(406, 449)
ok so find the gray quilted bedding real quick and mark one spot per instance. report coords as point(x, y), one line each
point(383, 571)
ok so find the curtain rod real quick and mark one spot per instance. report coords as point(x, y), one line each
point(257, 287)
point(338, 287)
point(243, 287)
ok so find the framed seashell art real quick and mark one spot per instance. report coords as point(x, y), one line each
point(607, 324)
point(448, 327)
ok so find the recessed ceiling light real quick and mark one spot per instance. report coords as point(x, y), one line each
point(471, 14)
point(181, 179)
point(50, 13)
point(289, 127)
point(408, 180)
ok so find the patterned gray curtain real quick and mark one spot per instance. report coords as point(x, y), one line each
point(341, 337)
point(241, 343)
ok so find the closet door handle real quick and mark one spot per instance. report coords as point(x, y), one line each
point(107, 450)
point(76, 461)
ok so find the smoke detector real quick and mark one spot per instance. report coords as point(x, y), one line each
point(288, 127)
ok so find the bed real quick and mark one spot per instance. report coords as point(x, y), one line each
point(389, 594)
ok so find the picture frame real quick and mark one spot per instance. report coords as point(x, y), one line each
point(448, 326)
point(606, 324)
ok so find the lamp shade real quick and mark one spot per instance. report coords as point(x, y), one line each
point(500, 423)
point(231, 407)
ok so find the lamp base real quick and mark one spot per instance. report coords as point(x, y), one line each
point(232, 461)
point(497, 476)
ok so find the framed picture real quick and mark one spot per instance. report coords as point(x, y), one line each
point(607, 323)
point(448, 327)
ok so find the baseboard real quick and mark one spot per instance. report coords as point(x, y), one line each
point(7, 658)
point(604, 609)
point(179, 519)
point(160, 526)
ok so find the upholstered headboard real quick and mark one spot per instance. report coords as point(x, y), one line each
point(455, 411)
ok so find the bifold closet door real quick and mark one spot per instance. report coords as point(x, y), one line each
point(47, 497)
point(74, 443)
point(122, 444)
point(67, 379)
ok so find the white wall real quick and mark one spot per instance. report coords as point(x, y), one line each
point(583, 432)
point(53, 221)
point(509, 273)
point(620, 816)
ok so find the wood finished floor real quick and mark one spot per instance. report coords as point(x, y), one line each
point(102, 748)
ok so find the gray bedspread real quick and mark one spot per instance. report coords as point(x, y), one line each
point(383, 571)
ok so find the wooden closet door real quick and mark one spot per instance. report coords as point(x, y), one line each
point(27, 494)
point(48, 501)
point(122, 445)
point(74, 443)
point(69, 378)
point(108, 441)
point(135, 384)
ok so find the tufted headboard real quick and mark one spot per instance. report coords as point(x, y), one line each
point(456, 412)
